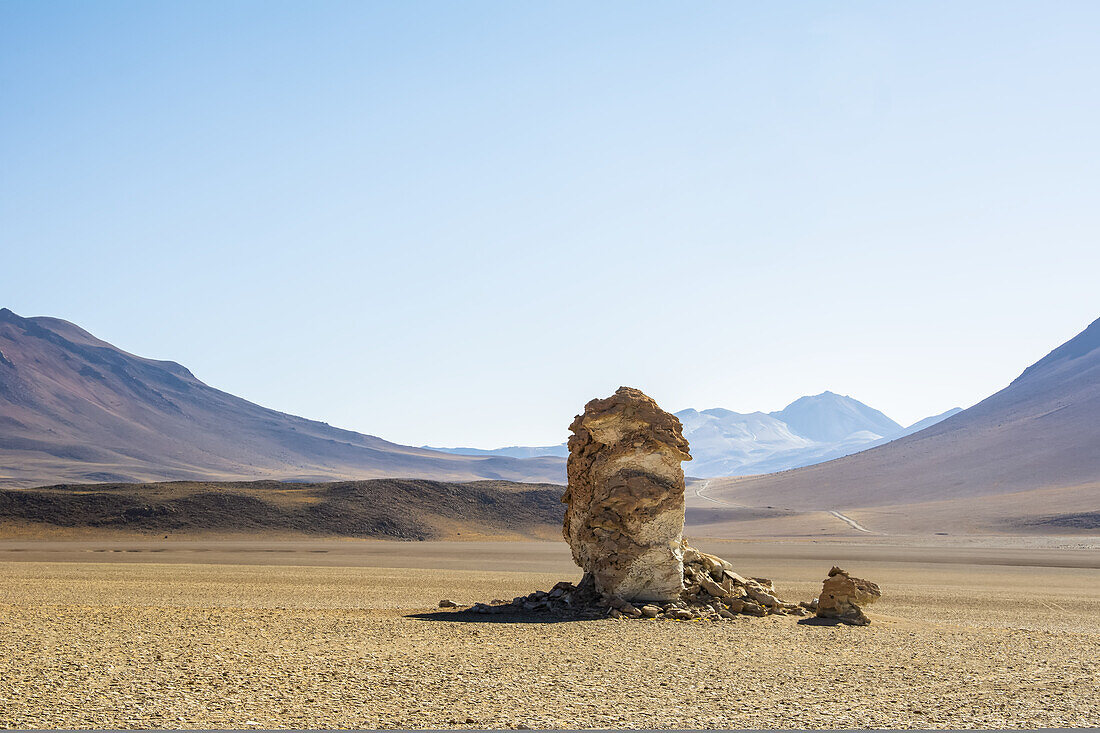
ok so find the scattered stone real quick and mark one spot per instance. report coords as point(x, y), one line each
point(843, 596)
point(765, 599)
point(447, 604)
point(734, 577)
point(713, 588)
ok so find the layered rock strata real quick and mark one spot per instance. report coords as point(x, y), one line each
point(842, 598)
point(624, 519)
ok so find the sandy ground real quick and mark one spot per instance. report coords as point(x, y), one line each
point(248, 633)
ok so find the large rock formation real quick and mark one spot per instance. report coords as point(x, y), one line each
point(625, 523)
point(842, 597)
point(625, 515)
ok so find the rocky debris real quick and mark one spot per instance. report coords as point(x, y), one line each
point(624, 519)
point(447, 604)
point(843, 596)
point(711, 590)
point(563, 600)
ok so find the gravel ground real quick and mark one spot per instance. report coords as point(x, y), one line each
point(113, 645)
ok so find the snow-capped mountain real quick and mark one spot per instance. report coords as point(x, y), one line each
point(810, 430)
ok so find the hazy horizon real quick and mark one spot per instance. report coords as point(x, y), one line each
point(454, 225)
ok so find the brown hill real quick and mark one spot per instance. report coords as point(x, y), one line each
point(75, 409)
point(1028, 456)
point(381, 508)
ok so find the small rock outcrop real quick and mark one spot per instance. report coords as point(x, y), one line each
point(625, 516)
point(842, 598)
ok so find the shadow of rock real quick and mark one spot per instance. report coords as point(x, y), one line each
point(467, 617)
point(818, 621)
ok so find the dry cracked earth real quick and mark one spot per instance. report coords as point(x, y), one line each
point(346, 634)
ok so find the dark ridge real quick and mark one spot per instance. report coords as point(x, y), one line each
point(383, 508)
point(1080, 520)
point(106, 476)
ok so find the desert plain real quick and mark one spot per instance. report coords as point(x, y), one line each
point(115, 631)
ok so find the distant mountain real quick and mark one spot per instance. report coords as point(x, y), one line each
point(76, 409)
point(1029, 455)
point(727, 443)
point(515, 451)
point(809, 430)
point(929, 422)
point(724, 442)
point(829, 417)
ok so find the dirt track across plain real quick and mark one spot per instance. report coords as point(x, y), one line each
point(346, 634)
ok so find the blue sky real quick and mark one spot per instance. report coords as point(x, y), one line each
point(454, 223)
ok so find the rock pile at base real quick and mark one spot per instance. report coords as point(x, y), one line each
point(843, 596)
point(625, 516)
point(710, 590)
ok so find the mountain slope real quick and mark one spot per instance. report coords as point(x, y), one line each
point(74, 409)
point(1041, 432)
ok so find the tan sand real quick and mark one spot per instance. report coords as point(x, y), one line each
point(345, 634)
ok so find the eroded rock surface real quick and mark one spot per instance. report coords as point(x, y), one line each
point(625, 514)
point(842, 597)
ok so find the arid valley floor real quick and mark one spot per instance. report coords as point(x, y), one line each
point(138, 632)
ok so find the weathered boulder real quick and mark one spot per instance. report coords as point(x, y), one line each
point(625, 516)
point(843, 596)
